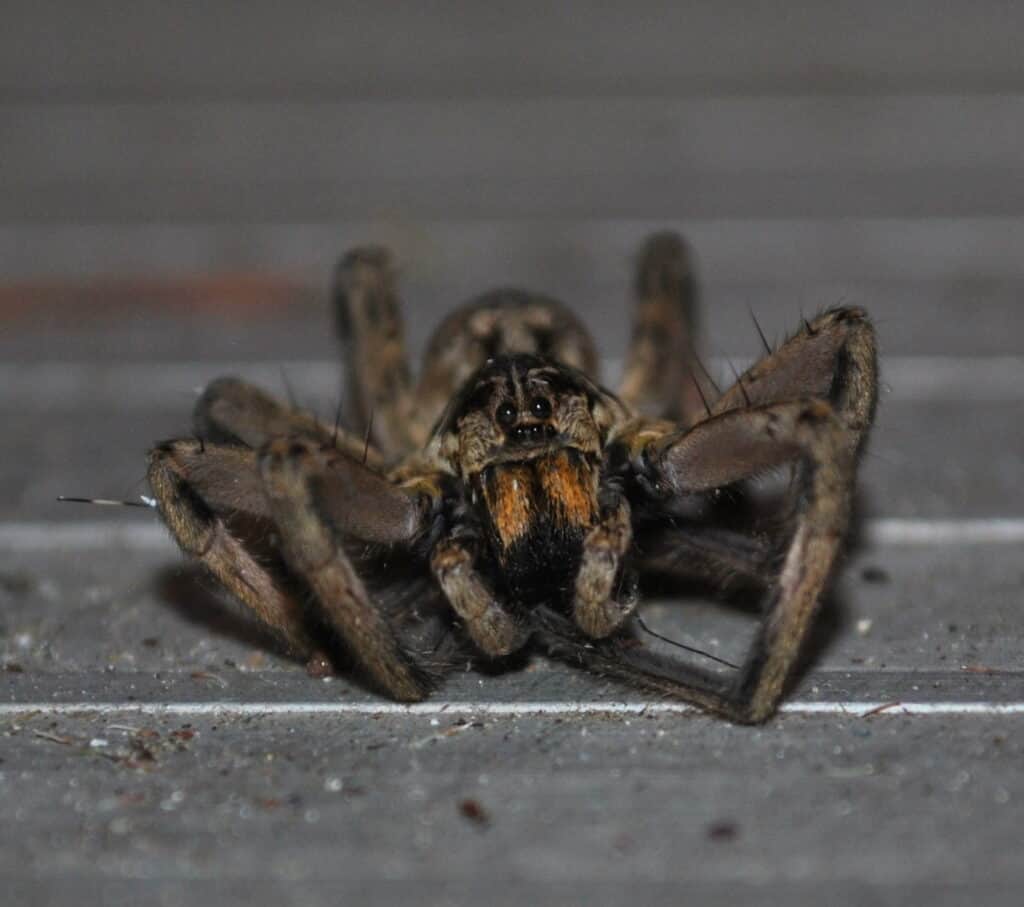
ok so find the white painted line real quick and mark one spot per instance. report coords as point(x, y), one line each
point(847, 708)
point(993, 530)
point(134, 535)
point(169, 385)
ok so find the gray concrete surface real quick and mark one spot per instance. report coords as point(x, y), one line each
point(590, 801)
point(155, 748)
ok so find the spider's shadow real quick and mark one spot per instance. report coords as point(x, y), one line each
point(188, 591)
point(193, 595)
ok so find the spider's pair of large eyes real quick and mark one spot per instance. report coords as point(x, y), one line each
point(540, 408)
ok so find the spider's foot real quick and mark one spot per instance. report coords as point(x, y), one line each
point(494, 630)
point(605, 595)
point(599, 619)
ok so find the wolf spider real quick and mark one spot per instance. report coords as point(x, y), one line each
point(507, 496)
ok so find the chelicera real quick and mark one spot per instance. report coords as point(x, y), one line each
point(507, 499)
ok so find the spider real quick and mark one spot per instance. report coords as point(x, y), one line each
point(507, 498)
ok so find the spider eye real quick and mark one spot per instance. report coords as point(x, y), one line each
point(506, 414)
point(540, 407)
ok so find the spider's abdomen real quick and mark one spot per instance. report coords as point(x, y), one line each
point(537, 512)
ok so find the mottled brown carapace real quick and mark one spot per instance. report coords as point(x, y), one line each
point(506, 498)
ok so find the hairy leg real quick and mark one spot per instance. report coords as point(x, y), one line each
point(721, 451)
point(662, 377)
point(198, 487)
point(739, 444)
point(236, 412)
point(490, 626)
point(694, 552)
point(301, 483)
point(378, 380)
point(833, 357)
point(597, 608)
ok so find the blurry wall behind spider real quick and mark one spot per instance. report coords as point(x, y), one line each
point(197, 164)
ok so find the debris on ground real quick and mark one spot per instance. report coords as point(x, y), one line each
point(723, 830)
point(472, 810)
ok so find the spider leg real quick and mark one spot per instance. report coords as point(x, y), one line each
point(493, 628)
point(378, 381)
point(597, 609)
point(233, 411)
point(697, 552)
point(314, 496)
point(616, 656)
point(832, 357)
point(196, 486)
point(662, 377)
point(720, 451)
point(738, 445)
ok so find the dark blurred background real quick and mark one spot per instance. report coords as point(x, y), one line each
point(177, 179)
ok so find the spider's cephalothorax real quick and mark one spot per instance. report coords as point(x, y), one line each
point(507, 497)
